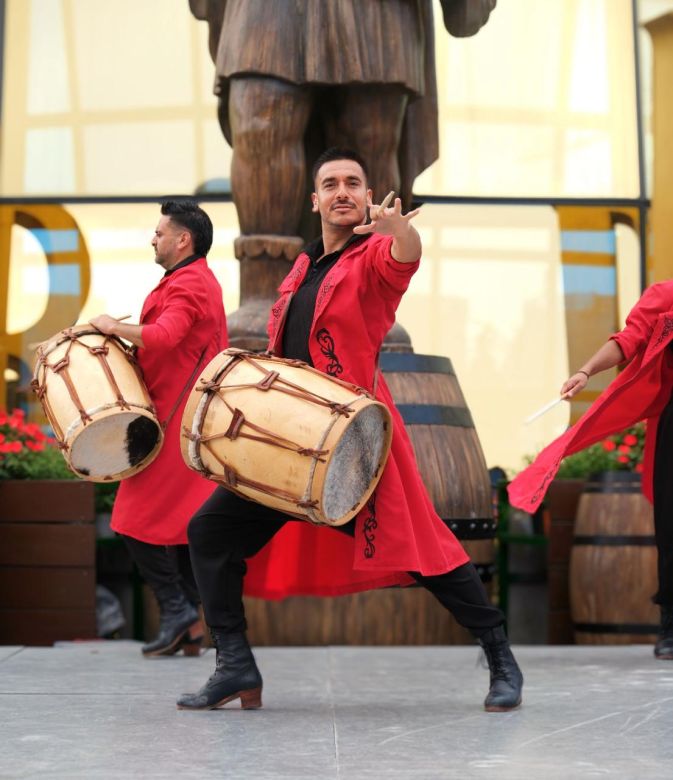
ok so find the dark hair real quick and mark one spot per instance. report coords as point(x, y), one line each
point(190, 216)
point(338, 153)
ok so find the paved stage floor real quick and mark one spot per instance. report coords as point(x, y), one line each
point(99, 710)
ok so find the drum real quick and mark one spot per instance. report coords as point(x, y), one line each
point(286, 435)
point(94, 397)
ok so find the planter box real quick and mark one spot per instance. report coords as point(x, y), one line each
point(47, 561)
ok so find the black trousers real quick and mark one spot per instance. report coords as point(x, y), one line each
point(663, 505)
point(227, 530)
point(164, 568)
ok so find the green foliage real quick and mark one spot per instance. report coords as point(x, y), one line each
point(621, 452)
point(27, 453)
point(104, 495)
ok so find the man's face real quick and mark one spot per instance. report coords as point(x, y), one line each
point(341, 196)
point(168, 242)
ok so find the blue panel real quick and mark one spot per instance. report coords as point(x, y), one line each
point(64, 279)
point(589, 279)
point(57, 240)
point(598, 241)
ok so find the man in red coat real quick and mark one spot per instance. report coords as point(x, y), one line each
point(182, 327)
point(642, 391)
point(336, 306)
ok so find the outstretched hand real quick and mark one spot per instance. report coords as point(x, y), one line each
point(387, 221)
point(574, 385)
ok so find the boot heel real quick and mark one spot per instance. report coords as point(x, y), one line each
point(193, 640)
point(192, 649)
point(196, 631)
point(251, 699)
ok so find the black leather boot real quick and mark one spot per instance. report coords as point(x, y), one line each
point(176, 615)
point(506, 679)
point(236, 676)
point(663, 650)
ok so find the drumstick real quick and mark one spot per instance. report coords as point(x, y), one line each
point(546, 408)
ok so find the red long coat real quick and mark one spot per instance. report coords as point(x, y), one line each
point(640, 392)
point(354, 310)
point(182, 316)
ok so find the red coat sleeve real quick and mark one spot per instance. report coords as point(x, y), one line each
point(642, 319)
point(183, 304)
point(389, 276)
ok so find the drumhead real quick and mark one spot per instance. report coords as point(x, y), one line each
point(110, 447)
point(356, 460)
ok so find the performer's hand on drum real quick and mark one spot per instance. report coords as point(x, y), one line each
point(104, 323)
point(113, 326)
point(574, 385)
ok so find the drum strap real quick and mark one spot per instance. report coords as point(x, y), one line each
point(188, 385)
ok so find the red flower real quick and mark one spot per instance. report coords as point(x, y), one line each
point(624, 448)
point(609, 445)
point(11, 446)
point(639, 468)
point(16, 420)
point(630, 439)
point(622, 459)
point(35, 446)
point(34, 430)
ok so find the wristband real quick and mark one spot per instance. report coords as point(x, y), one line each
point(582, 371)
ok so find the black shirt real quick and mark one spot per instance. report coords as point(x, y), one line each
point(302, 305)
point(187, 261)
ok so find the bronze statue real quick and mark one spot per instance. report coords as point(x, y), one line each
point(296, 76)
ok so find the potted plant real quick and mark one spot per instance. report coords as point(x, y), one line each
point(47, 540)
point(621, 452)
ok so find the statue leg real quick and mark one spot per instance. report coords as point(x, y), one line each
point(268, 119)
point(369, 119)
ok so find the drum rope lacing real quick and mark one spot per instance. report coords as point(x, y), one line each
point(270, 380)
point(233, 432)
point(61, 368)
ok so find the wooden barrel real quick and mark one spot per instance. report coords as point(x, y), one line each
point(561, 502)
point(613, 564)
point(426, 392)
point(453, 468)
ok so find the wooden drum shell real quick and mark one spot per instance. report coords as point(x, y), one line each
point(90, 399)
point(247, 463)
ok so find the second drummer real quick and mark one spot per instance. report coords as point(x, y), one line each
point(182, 327)
point(336, 307)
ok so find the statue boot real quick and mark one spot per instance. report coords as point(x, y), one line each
point(265, 262)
